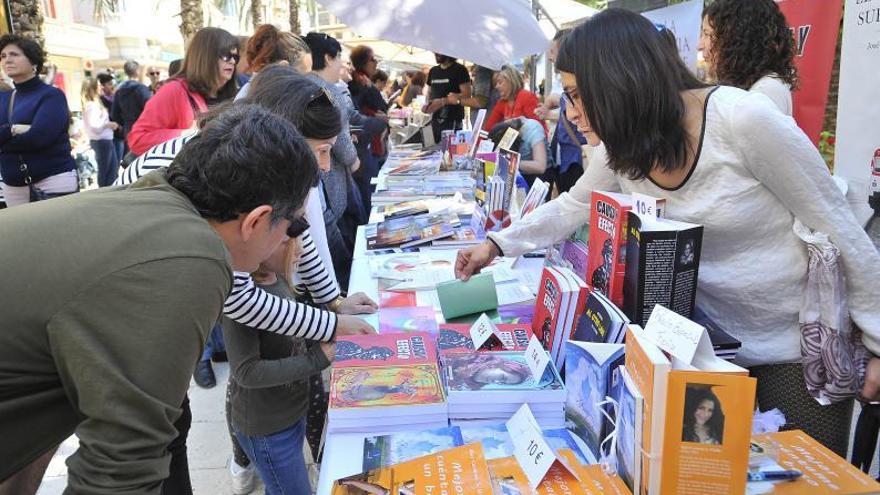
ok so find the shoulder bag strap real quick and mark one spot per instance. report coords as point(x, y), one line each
point(11, 105)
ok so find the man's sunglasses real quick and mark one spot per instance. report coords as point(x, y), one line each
point(297, 227)
point(155, 73)
point(230, 57)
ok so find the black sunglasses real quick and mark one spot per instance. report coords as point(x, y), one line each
point(155, 73)
point(297, 227)
point(229, 57)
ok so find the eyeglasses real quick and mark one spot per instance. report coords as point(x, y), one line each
point(297, 227)
point(570, 95)
point(230, 57)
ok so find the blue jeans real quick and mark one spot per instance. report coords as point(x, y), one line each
point(279, 459)
point(108, 162)
point(214, 344)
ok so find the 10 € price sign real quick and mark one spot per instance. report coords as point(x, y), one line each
point(532, 452)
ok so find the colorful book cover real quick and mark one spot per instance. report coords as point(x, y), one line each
point(576, 254)
point(629, 430)
point(708, 427)
point(503, 370)
point(385, 450)
point(395, 299)
point(394, 349)
point(589, 369)
point(549, 306)
point(576, 304)
point(413, 319)
point(607, 252)
point(456, 337)
point(508, 477)
point(405, 209)
point(662, 265)
point(494, 438)
point(516, 313)
point(560, 438)
point(593, 478)
point(360, 387)
point(458, 470)
point(824, 472)
point(601, 321)
point(649, 369)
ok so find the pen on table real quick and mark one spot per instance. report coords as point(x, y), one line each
point(788, 474)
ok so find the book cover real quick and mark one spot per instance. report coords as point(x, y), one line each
point(576, 303)
point(372, 387)
point(662, 264)
point(395, 349)
point(412, 319)
point(396, 299)
point(494, 438)
point(825, 473)
point(551, 305)
point(593, 478)
point(649, 369)
point(601, 321)
point(560, 438)
point(456, 337)
point(607, 253)
point(508, 477)
point(404, 209)
point(385, 450)
point(508, 166)
point(495, 371)
point(707, 432)
point(629, 430)
point(576, 255)
point(457, 470)
point(589, 370)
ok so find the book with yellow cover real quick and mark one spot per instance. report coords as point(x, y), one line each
point(457, 470)
point(593, 479)
point(824, 472)
point(649, 369)
point(707, 431)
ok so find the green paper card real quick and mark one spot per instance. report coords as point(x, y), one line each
point(459, 298)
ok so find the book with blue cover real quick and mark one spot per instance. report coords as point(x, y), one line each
point(629, 430)
point(590, 370)
point(497, 443)
point(385, 450)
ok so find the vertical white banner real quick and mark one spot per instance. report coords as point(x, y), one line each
point(857, 151)
point(684, 19)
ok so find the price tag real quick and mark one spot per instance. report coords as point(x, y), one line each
point(648, 205)
point(677, 335)
point(537, 358)
point(534, 455)
point(507, 139)
point(484, 333)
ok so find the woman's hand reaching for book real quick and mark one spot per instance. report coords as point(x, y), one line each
point(352, 325)
point(473, 259)
point(357, 304)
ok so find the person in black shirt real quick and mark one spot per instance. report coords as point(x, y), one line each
point(129, 100)
point(449, 86)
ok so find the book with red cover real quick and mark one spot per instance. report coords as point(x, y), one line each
point(456, 337)
point(606, 262)
point(385, 349)
point(555, 293)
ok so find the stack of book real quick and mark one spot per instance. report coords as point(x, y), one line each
point(386, 382)
point(561, 298)
point(413, 230)
point(489, 387)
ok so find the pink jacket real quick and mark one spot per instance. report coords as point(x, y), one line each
point(167, 115)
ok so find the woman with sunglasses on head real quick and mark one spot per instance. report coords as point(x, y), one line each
point(269, 45)
point(206, 78)
point(748, 44)
point(723, 158)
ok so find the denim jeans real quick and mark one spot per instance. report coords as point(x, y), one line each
point(279, 460)
point(214, 344)
point(108, 162)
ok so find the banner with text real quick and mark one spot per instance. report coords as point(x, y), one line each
point(815, 25)
point(683, 19)
point(857, 151)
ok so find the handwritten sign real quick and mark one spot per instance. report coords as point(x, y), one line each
point(484, 333)
point(537, 358)
point(534, 454)
point(677, 335)
point(648, 205)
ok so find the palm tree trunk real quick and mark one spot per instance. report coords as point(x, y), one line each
point(294, 17)
point(191, 19)
point(256, 13)
point(27, 19)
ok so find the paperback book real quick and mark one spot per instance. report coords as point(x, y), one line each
point(601, 321)
point(504, 376)
point(561, 296)
point(607, 253)
point(385, 450)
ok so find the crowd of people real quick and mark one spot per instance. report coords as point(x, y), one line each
point(243, 178)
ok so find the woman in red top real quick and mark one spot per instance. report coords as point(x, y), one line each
point(206, 77)
point(515, 101)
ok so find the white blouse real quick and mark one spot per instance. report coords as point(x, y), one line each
point(755, 173)
point(775, 89)
point(95, 118)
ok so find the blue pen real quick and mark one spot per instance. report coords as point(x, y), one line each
point(784, 475)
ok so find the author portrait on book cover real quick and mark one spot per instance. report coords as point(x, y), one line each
point(703, 416)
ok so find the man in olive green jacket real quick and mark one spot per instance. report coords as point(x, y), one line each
point(107, 297)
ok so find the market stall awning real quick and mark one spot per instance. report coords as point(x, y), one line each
point(490, 33)
point(390, 52)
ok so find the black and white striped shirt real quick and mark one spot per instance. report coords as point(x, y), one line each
point(248, 304)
